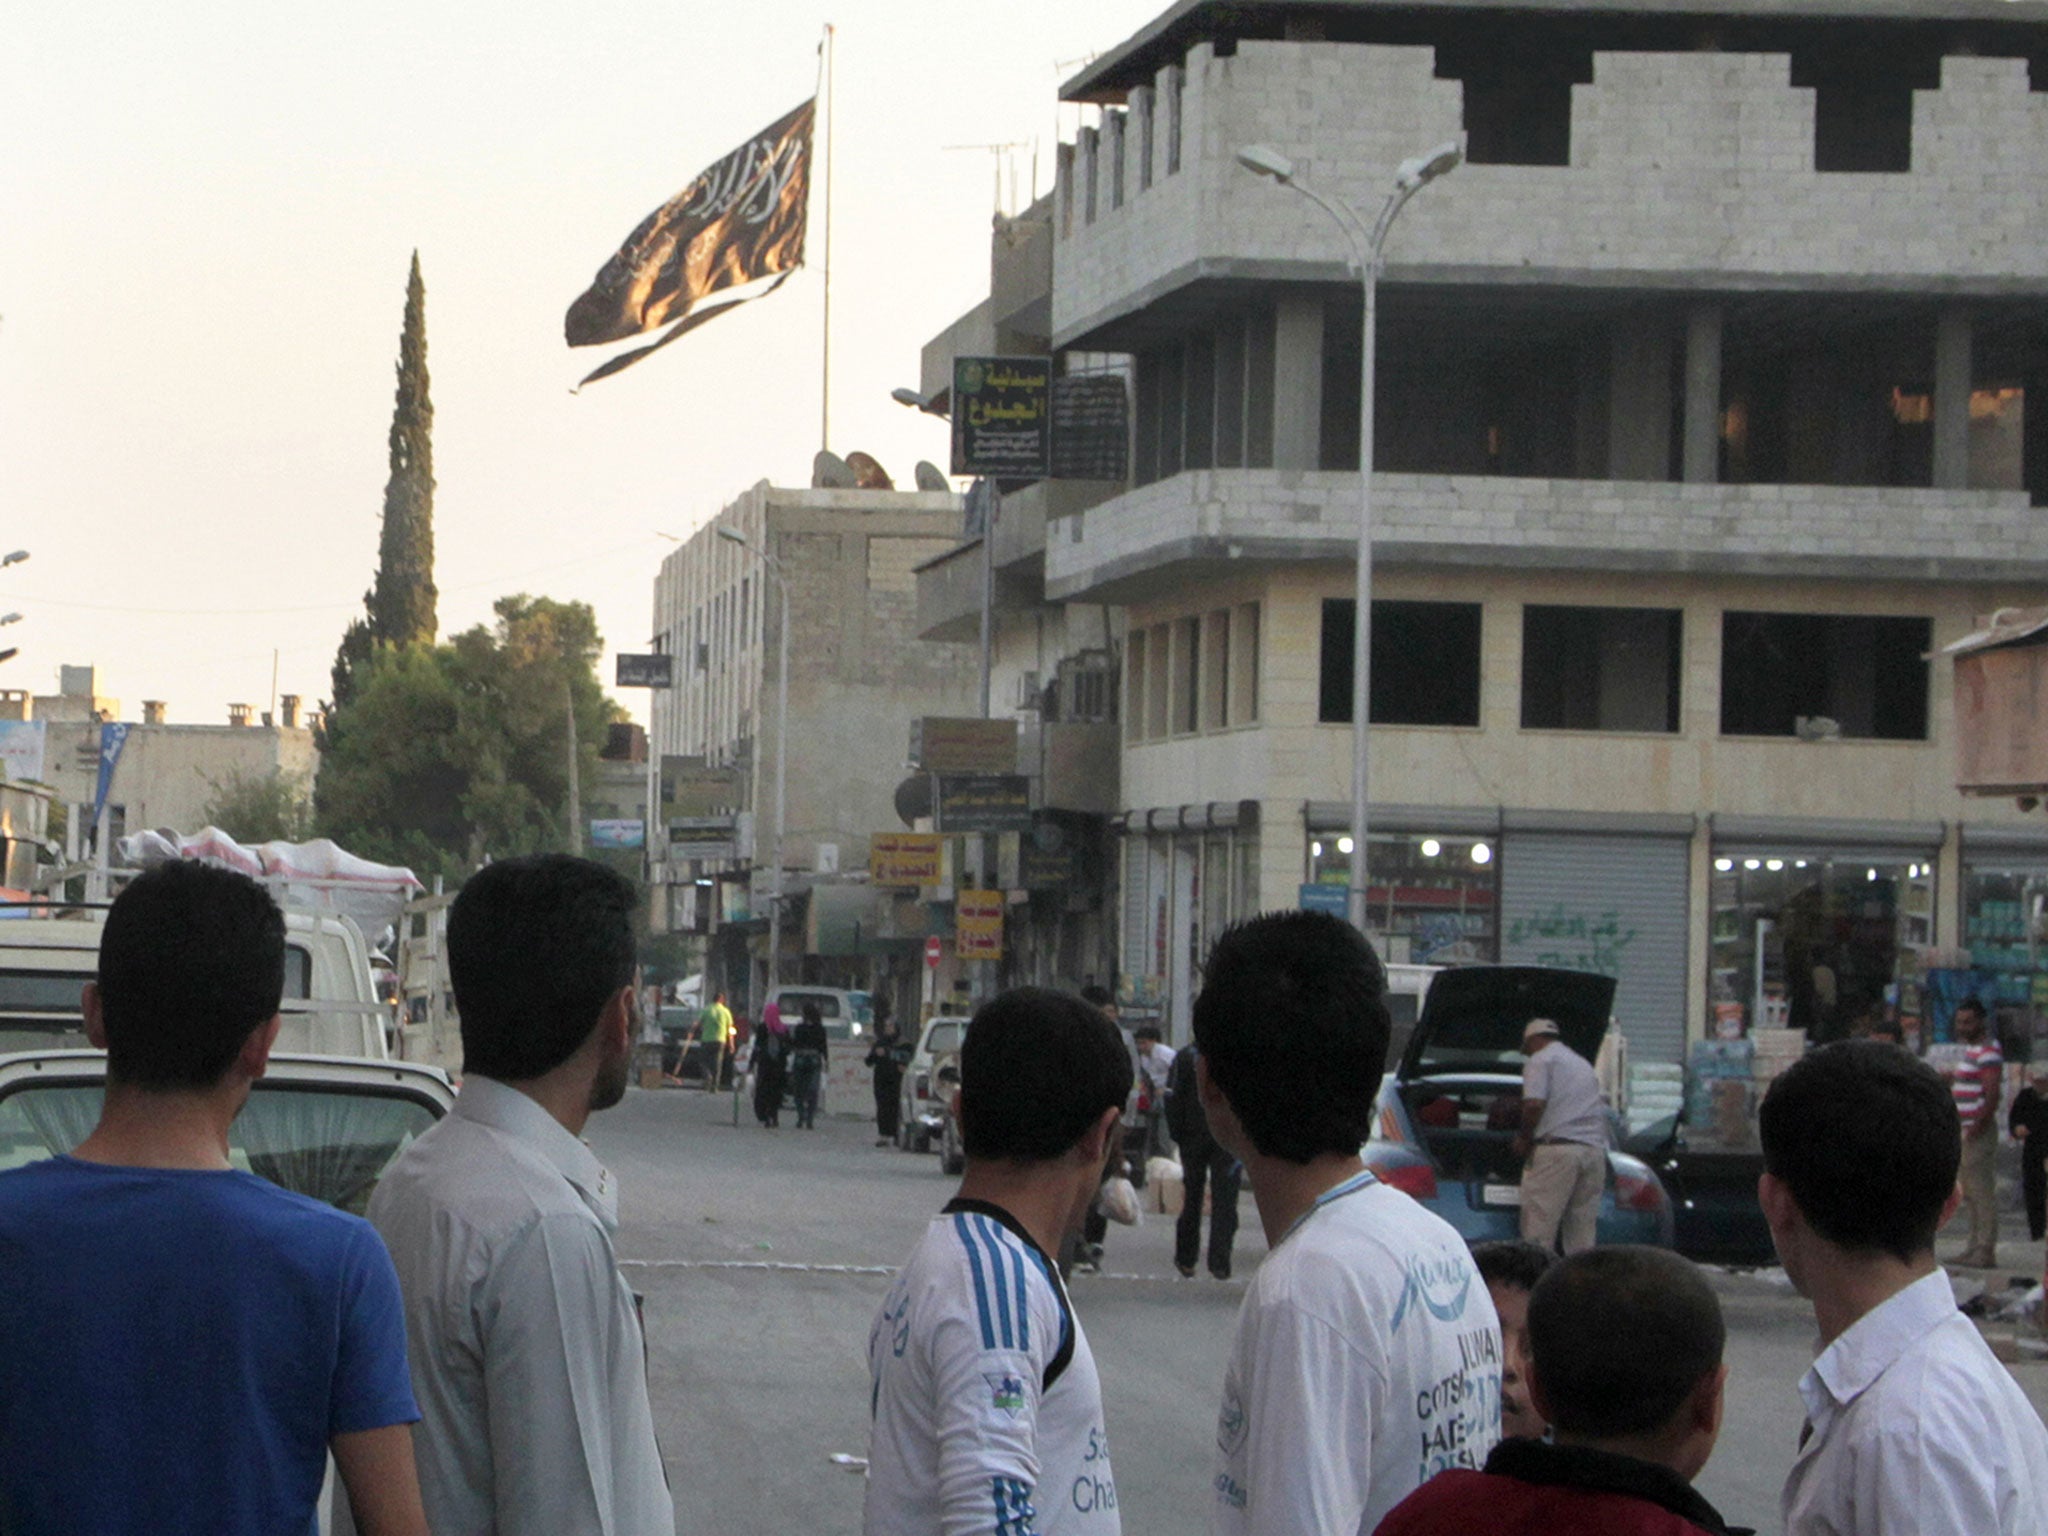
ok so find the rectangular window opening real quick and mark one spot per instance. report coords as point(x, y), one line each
point(1600, 669)
point(1244, 673)
point(1216, 671)
point(1424, 663)
point(1187, 662)
point(1824, 675)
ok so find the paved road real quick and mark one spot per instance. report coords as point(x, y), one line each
point(763, 1255)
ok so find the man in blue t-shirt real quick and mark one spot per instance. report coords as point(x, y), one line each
point(181, 1344)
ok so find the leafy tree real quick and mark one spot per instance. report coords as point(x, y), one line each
point(262, 807)
point(400, 608)
point(454, 752)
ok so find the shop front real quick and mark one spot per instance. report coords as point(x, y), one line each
point(1605, 893)
point(1819, 925)
point(2005, 928)
point(1188, 873)
point(1432, 878)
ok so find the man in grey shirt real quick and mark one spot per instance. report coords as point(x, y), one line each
point(1563, 1141)
point(527, 1354)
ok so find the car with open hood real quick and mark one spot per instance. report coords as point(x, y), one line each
point(1449, 1107)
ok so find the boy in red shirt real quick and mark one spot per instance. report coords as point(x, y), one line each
point(1625, 1347)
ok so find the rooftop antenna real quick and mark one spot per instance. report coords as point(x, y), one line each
point(999, 153)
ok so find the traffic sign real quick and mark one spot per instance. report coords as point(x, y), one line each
point(933, 948)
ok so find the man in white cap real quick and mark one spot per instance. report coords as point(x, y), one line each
point(1562, 1143)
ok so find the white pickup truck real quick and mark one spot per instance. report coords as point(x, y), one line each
point(331, 1008)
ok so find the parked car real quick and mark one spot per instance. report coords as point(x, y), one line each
point(1715, 1214)
point(945, 1085)
point(847, 1015)
point(1448, 1112)
point(322, 1126)
point(918, 1123)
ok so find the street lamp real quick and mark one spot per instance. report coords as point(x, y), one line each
point(774, 569)
point(1367, 243)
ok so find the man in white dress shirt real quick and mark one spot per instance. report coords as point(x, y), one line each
point(527, 1355)
point(1911, 1424)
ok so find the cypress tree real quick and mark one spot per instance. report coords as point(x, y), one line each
point(400, 608)
point(402, 603)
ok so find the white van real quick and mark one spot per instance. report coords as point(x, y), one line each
point(331, 1008)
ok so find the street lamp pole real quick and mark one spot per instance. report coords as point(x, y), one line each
point(773, 567)
point(1367, 244)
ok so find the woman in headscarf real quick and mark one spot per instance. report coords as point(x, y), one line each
point(888, 1056)
point(771, 1067)
point(807, 1066)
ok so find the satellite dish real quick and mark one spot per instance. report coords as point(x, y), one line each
point(868, 473)
point(829, 472)
point(914, 798)
point(929, 478)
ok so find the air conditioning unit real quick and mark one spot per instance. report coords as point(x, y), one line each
point(1028, 691)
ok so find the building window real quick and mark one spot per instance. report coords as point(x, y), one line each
point(1600, 669)
point(1176, 79)
point(1134, 686)
point(1824, 675)
point(1216, 671)
point(1863, 105)
point(1244, 674)
point(1517, 99)
point(1187, 667)
point(1157, 699)
point(1425, 663)
point(1141, 108)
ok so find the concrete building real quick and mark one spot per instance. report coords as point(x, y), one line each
point(1701, 419)
point(167, 774)
point(857, 678)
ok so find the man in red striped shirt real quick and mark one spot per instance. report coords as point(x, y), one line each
point(1977, 1083)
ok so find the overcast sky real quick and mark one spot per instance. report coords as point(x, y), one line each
point(206, 213)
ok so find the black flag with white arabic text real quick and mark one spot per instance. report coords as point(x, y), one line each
point(742, 219)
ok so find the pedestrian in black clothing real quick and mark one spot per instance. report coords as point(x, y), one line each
point(2028, 1123)
point(807, 1066)
point(1202, 1163)
point(887, 1056)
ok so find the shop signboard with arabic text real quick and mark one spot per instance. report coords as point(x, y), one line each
point(1002, 416)
point(978, 925)
point(905, 858)
point(984, 802)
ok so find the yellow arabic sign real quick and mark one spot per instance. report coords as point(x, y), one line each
point(905, 858)
point(978, 925)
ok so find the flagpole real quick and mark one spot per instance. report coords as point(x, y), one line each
point(825, 372)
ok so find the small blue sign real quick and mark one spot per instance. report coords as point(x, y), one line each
point(1333, 899)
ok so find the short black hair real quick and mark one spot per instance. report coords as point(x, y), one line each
point(1292, 1020)
point(1867, 1140)
point(536, 947)
point(1512, 1262)
point(1618, 1337)
point(1037, 1069)
point(1973, 1005)
point(1095, 994)
point(1147, 1032)
point(191, 964)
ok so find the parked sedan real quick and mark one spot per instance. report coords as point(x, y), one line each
point(1448, 1112)
point(919, 1120)
point(1713, 1193)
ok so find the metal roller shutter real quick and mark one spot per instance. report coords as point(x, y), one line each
point(1613, 904)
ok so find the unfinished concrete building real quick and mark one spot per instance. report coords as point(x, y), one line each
point(1701, 418)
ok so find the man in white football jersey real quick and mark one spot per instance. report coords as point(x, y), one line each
point(987, 1409)
point(1368, 1353)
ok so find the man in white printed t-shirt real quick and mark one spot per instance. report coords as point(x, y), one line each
point(987, 1408)
point(1367, 1357)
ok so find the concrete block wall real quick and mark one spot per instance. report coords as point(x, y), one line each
point(1694, 166)
point(1124, 545)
